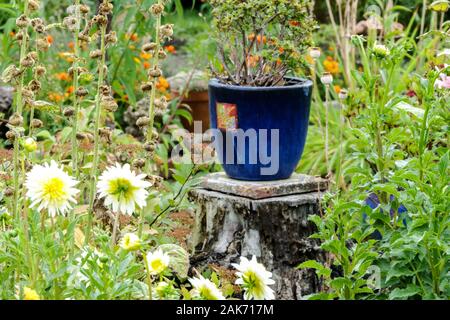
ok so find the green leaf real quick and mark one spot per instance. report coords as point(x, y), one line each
point(402, 294)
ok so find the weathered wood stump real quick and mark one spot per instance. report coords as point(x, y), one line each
point(266, 219)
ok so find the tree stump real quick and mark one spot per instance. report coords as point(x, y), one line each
point(266, 219)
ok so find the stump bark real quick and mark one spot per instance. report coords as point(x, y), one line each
point(266, 219)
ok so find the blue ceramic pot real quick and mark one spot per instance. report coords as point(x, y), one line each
point(260, 131)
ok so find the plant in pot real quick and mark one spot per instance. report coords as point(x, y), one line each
point(259, 109)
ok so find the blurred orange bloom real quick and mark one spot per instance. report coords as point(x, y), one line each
point(252, 61)
point(70, 90)
point(146, 64)
point(337, 88)
point(171, 49)
point(145, 56)
point(71, 45)
point(294, 23)
point(133, 37)
point(55, 97)
point(162, 84)
point(63, 76)
point(331, 65)
point(49, 39)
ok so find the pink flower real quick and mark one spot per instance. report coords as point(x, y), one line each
point(444, 82)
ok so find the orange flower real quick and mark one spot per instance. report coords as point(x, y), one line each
point(162, 84)
point(294, 23)
point(330, 48)
point(281, 49)
point(337, 88)
point(12, 34)
point(146, 65)
point(170, 49)
point(71, 45)
point(49, 39)
point(331, 65)
point(68, 56)
point(56, 97)
point(260, 39)
point(63, 76)
point(70, 90)
point(145, 56)
point(133, 37)
point(252, 61)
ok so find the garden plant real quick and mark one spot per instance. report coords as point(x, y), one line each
point(93, 205)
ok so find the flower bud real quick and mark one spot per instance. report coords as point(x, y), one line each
point(327, 78)
point(40, 70)
point(315, 53)
point(10, 135)
point(84, 9)
point(9, 192)
point(146, 86)
point(81, 92)
point(162, 54)
point(150, 146)
point(30, 145)
point(380, 51)
point(155, 73)
point(33, 5)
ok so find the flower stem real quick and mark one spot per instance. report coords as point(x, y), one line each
point(96, 133)
point(149, 278)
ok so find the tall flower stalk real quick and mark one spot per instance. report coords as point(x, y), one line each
point(103, 99)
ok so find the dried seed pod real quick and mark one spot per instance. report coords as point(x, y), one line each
point(157, 9)
point(36, 124)
point(138, 163)
point(105, 133)
point(34, 85)
point(90, 137)
point(33, 5)
point(38, 25)
point(109, 104)
point(146, 86)
point(162, 54)
point(155, 73)
point(83, 37)
point(100, 19)
point(105, 8)
point(81, 92)
point(11, 72)
point(149, 46)
point(84, 9)
point(33, 55)
point(68, 112)
point(71, 23)
point(9, 192)
point(42, 44)
point(22, 21)
point(166, 30)
point(40, 70)
point(150, 146)
point(111, 37)
point(95, 54)
point(105, 90)
point(15, 120)
point(28, 94)
point(81, 136)
point(19, 36)
point(27, 62)
point(143, 122)
point(10, 135)
point(161, 103)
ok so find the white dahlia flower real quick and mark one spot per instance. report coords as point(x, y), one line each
point(205, 289)
point(157, 261)
point(122, 189)
point(49, 187)
point(254, 279)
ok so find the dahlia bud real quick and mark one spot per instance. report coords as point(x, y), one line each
point(16, 120)
point(143, 122)
point(30, 145)
point(380, 51)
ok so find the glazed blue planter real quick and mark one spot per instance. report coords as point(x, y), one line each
point(277, 116)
